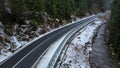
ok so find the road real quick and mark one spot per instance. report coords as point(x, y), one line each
point(27, 56)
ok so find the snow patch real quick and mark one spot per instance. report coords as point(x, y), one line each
point(16, 42)
point(5, 54)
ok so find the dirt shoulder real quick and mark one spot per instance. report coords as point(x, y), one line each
point(101, 56)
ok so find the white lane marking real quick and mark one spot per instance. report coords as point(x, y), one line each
point(33, 50)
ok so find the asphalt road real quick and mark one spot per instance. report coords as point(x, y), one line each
point(26, 57)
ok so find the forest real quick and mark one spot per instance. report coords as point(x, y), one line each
point(47, 11)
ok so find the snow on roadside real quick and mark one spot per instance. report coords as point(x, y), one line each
point(87, 34)
point(4, 55)
point(77, 54)
point(15, 41)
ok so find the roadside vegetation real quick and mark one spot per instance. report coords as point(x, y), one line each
point(114, 29)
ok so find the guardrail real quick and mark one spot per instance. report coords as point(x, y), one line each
point(62, 46)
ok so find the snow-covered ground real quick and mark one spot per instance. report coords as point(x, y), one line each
point(77, 54)
point(4, 55)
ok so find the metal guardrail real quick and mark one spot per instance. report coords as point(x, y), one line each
point(62, 45)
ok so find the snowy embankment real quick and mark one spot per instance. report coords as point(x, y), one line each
point(77, 54)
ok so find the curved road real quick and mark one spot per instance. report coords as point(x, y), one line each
point(26, 57)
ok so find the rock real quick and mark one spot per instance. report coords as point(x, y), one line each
point(3, 51)
point(8, 32)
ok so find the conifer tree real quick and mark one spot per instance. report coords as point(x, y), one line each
point(73, 7)
point(68, 9)
point(81, 7)
point(1, 7)
point(18, 9)
point(38, 9)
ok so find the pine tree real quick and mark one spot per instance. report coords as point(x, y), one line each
point(73, 7)
point(5, 12)
point(98, 4)
point(90, 6)
point(38, 10)
point(81, 7)
point(62, 9)
point(1, 7)
point(18, 8)
point(53, 8)
point(68, 9)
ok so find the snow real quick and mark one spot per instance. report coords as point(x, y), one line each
point(5, 54)
point(87, 35)
point(16, 42)
point(27, 21)
point(38, 31)
point(49, 54)
point(57, 20)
